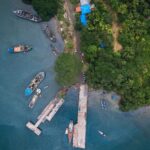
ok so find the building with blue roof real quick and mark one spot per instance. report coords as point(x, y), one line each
point(85, 9)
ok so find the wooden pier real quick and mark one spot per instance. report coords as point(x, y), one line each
point(79, 136)
point(47, 114)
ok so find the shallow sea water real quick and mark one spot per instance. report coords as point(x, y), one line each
point(125, 131)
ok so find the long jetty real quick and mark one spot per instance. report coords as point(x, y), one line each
point(79, 136)
point(47, 114)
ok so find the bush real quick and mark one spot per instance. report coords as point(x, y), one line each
point(27, 1)
point(68, 68)
point(46, 9)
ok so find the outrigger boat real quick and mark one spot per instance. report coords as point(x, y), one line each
point(27, 15)
point(34, 83)
point(20, 48)
point(35, 98)
point(69, 131)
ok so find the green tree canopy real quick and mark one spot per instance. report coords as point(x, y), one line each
point(46, 9)
point(68, 68)
point(27, 1)
point(126, 72)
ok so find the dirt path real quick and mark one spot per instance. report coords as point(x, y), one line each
point(70, 13)
point(75, 37)
point(115, 31)
point(115, 28)
point(75, 34)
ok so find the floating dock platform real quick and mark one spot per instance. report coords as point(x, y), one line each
point(47, 114)
point(79, 136)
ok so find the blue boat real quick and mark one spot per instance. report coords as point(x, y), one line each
point(34, 83)
point(19, 48)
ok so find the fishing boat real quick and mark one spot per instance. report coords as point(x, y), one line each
point(35, 98)
point(27, 15)
point(49, 33)
point(20, 48)
point(69, 131)
point(101, 133)
point(34, 83)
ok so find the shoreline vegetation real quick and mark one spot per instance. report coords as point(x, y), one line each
point(124, 70)
point(68, 65)
point(46, 9)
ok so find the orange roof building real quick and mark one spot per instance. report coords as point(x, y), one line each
point(78, 9)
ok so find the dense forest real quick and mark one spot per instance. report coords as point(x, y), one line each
point(46, 9)
point(126, 71)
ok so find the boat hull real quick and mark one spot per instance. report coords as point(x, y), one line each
point(27, 15)
point(70, 130)
point(20, 48)
point(35, 98)
point(49, 33)
point(34, 83)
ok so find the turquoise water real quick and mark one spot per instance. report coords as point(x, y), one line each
point(125, 131)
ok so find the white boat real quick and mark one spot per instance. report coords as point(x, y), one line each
point(35, 98)
point(101, 133)
point(69, 131)
point(66, 132)
point(45, 87)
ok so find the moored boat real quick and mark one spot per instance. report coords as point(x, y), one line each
point(49, 33)
point(34, 83)
point(35, 98)
point(27, 15)
point(20, 48)
point(52, 37)
point(69, 131)
point(66, 131)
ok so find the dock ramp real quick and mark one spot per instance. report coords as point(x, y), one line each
point(79, 136)
point(47, 114)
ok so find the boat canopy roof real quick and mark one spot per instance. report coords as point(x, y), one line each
point(18, 48)
point(28, 91)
